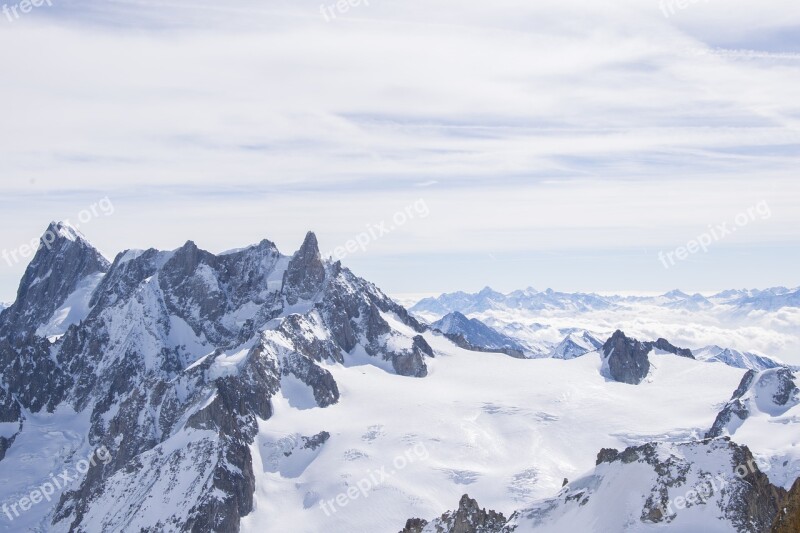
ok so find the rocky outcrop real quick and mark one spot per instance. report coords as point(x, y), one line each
point(626, 359)
point(773, 389)
point(788, 518)
point(468, 518)
point(665, 346)
point(712, 481)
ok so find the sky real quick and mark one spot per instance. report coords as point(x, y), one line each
point(578, 145)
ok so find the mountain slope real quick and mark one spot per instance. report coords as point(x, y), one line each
point(175, 363)
point(472, 333)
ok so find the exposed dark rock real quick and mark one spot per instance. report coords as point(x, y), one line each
point(788, 517)
point(738, 408)
point(607, 455)
point(419, 343)
point(414, 525)
point(787, 388)
point(468, 518)
point(10, 412)
point(755, 502)
point(626, 358)
point(312, 443)
point(306, 272)
point(666, 346)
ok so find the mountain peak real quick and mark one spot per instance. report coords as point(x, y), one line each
point(676, 293)
point(63, 260)
point(306, 272)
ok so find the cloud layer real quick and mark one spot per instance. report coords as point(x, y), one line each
point(558, 127)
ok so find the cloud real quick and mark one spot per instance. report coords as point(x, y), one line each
point(533, 124)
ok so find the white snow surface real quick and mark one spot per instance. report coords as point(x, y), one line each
point(506, 431)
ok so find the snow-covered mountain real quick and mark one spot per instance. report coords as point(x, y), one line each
point(529, 299)
point(473, 333)
point(171, 360)
point(255, 391)
point(735, 358)
point(576, 344)
point(699, 486)
point(747, 323)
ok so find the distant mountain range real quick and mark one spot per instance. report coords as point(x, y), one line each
point(532, 300)
point(553, 324)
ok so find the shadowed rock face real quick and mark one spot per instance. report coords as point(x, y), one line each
point(62, 261)
point(10, 412)
point(468, 518)
point(788, 519)
point(626, 358)
point(306, 272)
point(666, 346)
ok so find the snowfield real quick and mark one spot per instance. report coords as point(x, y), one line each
point(506, 431)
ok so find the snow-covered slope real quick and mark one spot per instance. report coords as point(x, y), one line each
point(508, 437)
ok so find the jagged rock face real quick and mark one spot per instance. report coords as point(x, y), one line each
point(306, 273)
point(666, 346)
point(788, 518)
point(176, 362)
point(10, 414)
point(773, 391)
point(626, 358)
point(468, 518)
point(662, 485)
point(63, 260)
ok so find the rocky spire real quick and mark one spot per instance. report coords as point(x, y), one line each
point(306, 272)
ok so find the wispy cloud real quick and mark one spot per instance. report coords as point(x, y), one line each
point(554, 125)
